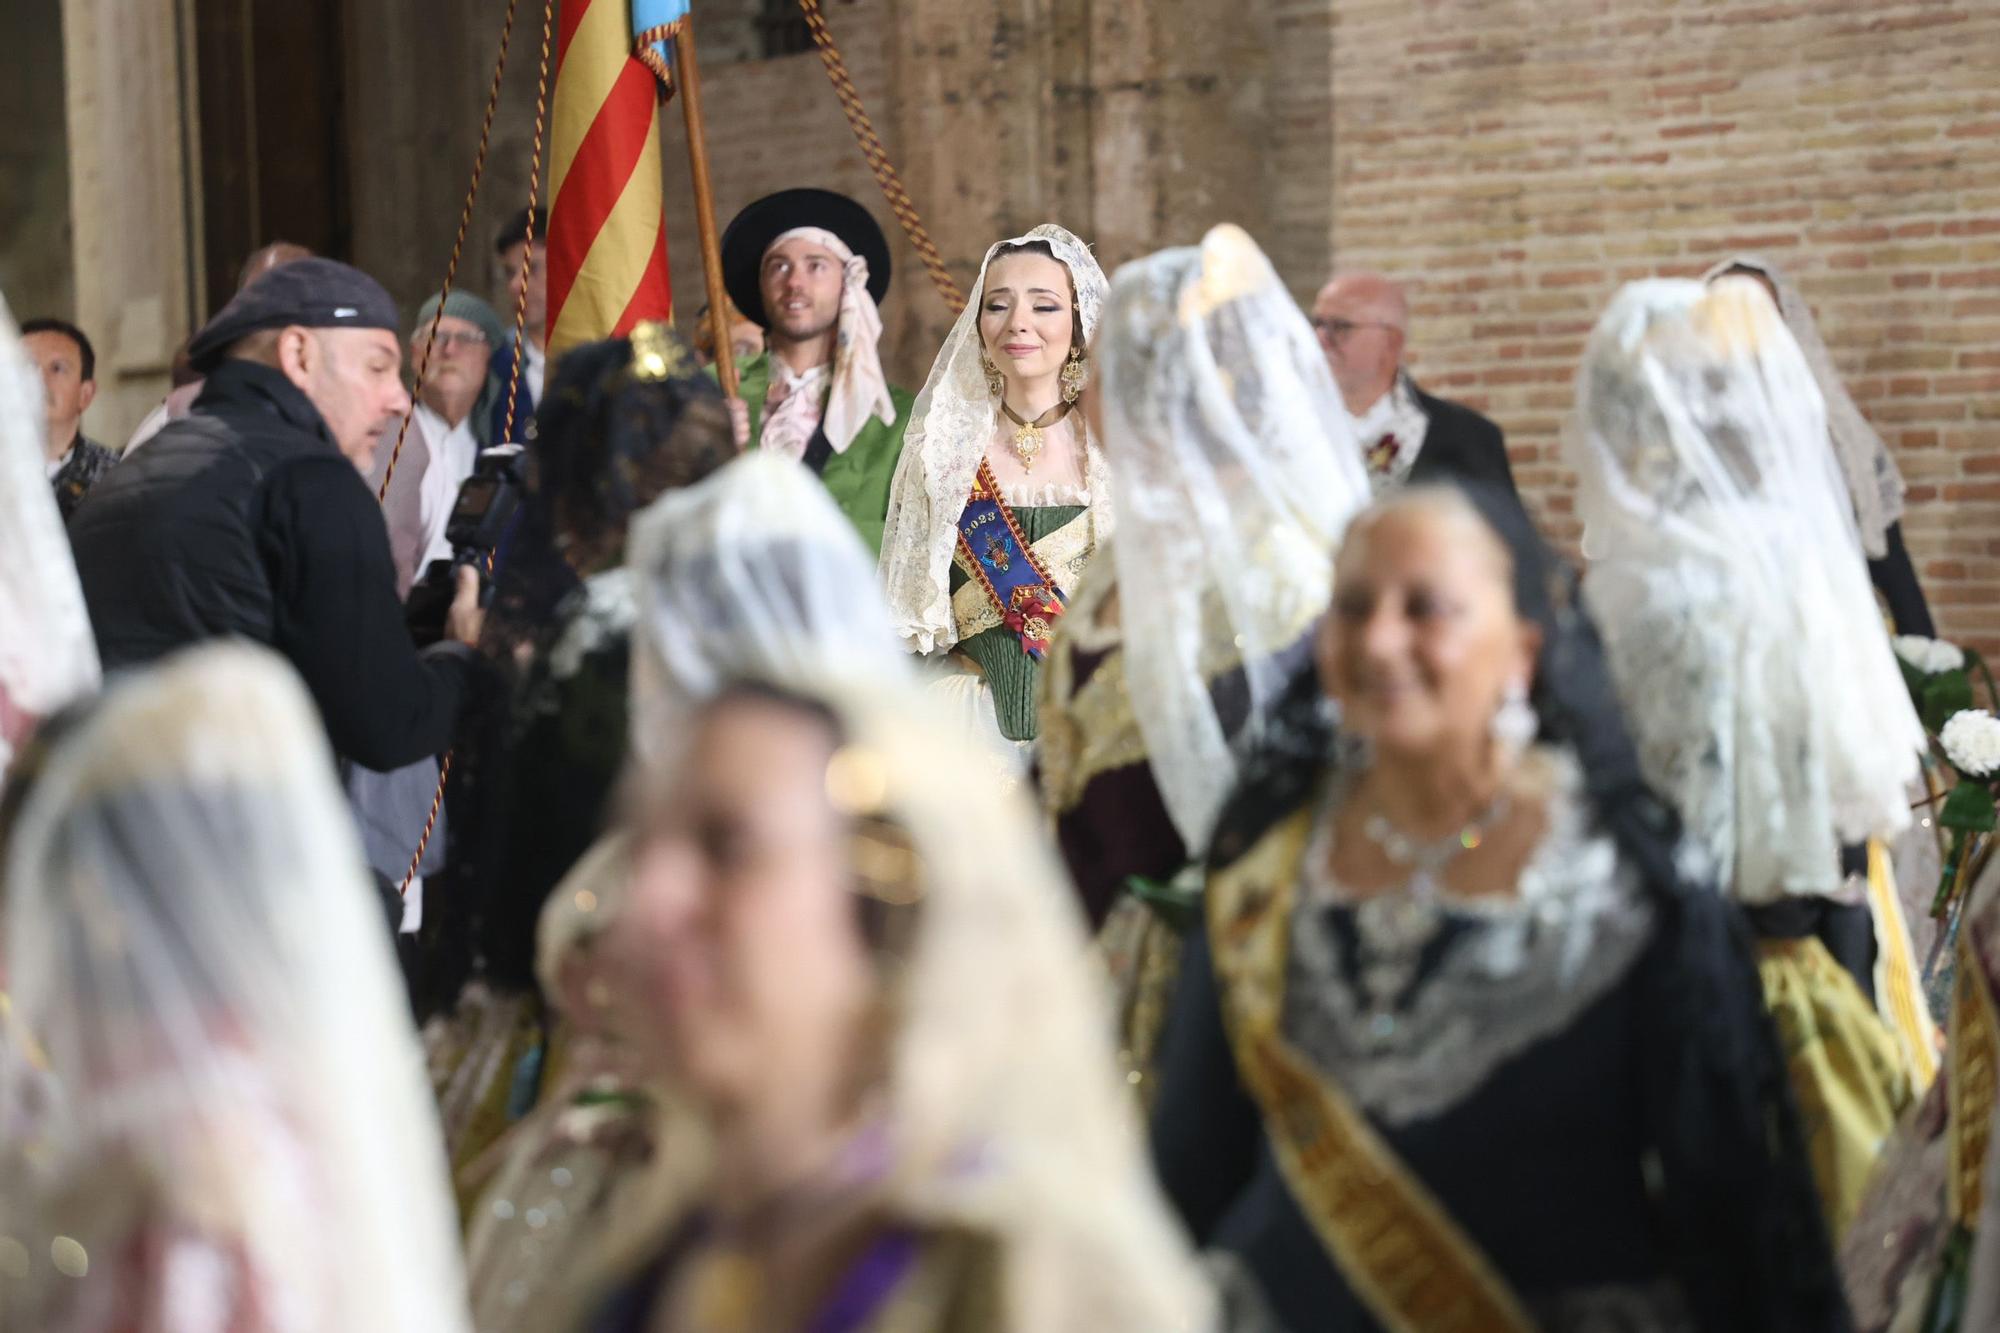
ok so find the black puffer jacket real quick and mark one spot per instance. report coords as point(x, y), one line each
point(245, 519)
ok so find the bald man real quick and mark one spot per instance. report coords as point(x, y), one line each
point(1405, 434)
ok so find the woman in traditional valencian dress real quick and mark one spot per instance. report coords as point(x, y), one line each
point(623, 422)
point(1758, 678)
point(1231, 464)
point(1001, 496)
point(1456, 1046)
point(753, 570)
point(239, 1136)
point(866, 972)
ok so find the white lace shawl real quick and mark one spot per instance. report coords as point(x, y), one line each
point(1873, 482)
point(1706, 487)
point(951, 423)
point(1750, 785)
point(1233, 472)
point(48, 656)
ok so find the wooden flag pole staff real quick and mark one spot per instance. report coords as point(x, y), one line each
point(688, 75)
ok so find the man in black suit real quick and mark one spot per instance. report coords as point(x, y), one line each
point(1405, 434)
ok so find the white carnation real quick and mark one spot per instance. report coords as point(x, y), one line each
point(1972, 742)
point(1930, 656)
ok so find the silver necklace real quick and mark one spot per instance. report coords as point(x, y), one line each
point(1426, 858)
point(1393, 929)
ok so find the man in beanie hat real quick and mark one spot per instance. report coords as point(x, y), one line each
point(250, 517)
point(453, 421)
point(811, 267)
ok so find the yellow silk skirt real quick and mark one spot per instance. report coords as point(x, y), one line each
point(1848, 1071)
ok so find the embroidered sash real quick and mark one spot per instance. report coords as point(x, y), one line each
point(1400, 1251)
point(1006, 567)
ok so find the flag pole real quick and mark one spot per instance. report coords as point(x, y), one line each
point(688, 75)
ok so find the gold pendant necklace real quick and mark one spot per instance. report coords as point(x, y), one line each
point(1028, 434)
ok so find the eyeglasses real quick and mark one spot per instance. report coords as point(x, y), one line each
point(450, 338)
point(1336, 330)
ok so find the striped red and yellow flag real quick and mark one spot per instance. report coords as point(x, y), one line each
point(607, 247)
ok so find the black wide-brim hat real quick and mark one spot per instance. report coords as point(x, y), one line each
point(751, 234)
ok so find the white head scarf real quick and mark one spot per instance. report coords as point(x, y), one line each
point(47, 655)
point(1873, 482)
point(1003, 1109)
point(858, 390)
point(193, 941)
point(1234, 472)
point(950, 426)
point(1700, 443)
point(752, 571)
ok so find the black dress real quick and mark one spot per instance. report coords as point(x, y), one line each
point(1600, 1134)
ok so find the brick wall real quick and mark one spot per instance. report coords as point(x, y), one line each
point(1517, 162)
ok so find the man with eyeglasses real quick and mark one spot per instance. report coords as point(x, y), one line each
point(1405, 434)
point(452, 422)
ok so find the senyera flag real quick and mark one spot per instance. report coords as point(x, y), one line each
point(607, 246)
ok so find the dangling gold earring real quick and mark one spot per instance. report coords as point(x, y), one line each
point(1073, 375)
point(994, 384)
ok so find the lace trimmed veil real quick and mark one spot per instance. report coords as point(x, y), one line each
point(950, 425)
point(751, 571)
point(1700, 436)
point(192, 941)
point(1233, 472)
point(1873, 482)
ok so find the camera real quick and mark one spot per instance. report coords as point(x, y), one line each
point(480, 516)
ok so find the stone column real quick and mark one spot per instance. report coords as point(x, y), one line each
point(129, 87)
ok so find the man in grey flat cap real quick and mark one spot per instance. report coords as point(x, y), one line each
point(451, 425)
point(250, 517)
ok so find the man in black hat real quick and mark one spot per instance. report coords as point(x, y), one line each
point(249, 517)
point(811, 266)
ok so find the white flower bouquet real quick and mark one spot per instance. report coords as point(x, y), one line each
point(1967, 739)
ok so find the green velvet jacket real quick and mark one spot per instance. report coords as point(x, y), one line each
point(858, 480)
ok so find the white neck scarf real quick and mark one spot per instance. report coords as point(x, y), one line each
point(857, 389)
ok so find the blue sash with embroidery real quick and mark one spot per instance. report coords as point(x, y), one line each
point(1006, 568)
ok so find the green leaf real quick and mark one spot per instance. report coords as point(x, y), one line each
point(1914, 679)
point(1946, 693)
point(1969, 807)
point(1176, 901)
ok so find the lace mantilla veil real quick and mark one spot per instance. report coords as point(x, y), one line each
point(951, 424)
point(752, 571)
point(47, 654)
point(1873, 482)
point(192, 939)
point(1233, 472)
point(1700, 445)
